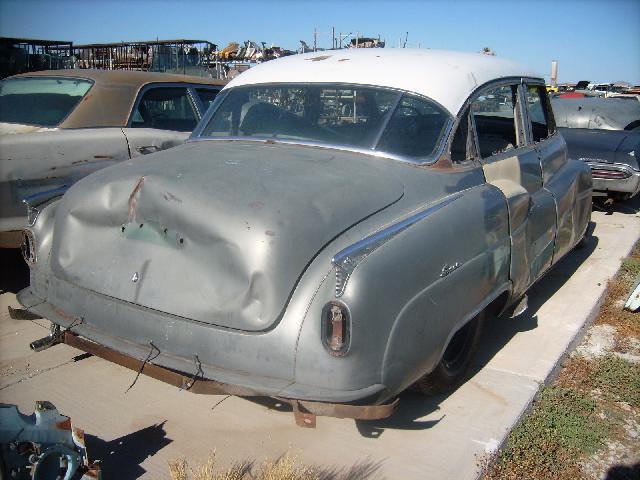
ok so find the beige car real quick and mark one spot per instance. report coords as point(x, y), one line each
point(59, 126)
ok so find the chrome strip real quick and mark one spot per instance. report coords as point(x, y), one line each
point(34, 201)
point(348, 259)
point(622, 167)
point(42, 197)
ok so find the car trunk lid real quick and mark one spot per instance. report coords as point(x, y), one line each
point(217, 232)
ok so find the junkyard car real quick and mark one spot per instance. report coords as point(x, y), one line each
point(58, 126)
point(332, 232)
point(604, 133)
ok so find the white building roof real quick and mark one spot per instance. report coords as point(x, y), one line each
point(445, 76)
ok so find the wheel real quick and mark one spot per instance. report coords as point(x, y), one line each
point(452, 369)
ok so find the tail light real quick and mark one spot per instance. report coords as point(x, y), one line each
point(336, 328)
point(28, 247)
point(609, 174)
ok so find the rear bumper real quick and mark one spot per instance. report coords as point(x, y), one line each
point(161, 340)
point(304, 411)
point(615, 177)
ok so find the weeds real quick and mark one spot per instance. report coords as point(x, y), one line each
point(573, 423)
point(284, 468)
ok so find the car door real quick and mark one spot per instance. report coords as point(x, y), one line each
point(511, 163)
point(164, 115)
point(564, 180)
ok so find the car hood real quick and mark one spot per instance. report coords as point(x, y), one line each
point(218, 232)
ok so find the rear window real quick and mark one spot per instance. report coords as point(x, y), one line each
point(41, 101)
point(335, 114)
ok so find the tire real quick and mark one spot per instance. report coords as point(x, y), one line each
point(452, 369)
point(586, 237)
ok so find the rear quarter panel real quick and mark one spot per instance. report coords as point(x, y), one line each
point(402, 311)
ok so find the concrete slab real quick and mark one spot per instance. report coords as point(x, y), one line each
point(138, 432)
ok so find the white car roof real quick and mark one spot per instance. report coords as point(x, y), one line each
point(445, 76)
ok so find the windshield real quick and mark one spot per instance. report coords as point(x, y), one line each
point(40, 101)
point(338, 115)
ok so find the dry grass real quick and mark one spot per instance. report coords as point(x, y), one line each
point(627, 324)
point(286, 467)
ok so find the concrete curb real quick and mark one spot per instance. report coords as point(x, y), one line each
point(560, 362)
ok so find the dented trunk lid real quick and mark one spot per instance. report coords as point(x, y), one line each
point(215, 231)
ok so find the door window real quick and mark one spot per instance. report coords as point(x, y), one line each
point(542, 124)
point(495, 118)
point(165, 108)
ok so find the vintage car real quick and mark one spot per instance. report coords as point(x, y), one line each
point(331, 234)
point(604, 133)
point(58, 126)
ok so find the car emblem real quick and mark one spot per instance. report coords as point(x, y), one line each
point(135, 277)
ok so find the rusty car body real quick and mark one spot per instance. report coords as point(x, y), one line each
point(604, 133)
point(331, 234)
point(58, 126)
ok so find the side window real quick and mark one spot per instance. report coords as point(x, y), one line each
point(496, 122)
point(165, 108)
point(462, 148)
point(414, 128)
point(542, 124)
point(207, 96)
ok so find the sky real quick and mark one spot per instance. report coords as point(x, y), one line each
point(591, 40)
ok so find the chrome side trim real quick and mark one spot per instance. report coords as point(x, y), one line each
point(348, 259)
point(32, 202)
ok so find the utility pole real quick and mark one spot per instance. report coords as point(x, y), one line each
point(315, 39)
point(333, 38)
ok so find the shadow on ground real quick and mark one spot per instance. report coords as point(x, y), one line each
point(14, 273)
point(624, 472)
point(121, 458)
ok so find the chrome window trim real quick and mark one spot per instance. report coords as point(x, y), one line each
point(347, 259)
point(439, 149)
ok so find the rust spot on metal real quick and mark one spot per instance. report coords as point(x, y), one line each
point(64, 425)
point(78, 162)
point(303, 418)
point(344, 59)
point(133, 200)
point(79, 433)
point(304, 411)
point(103, 157)
point(270, 233)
